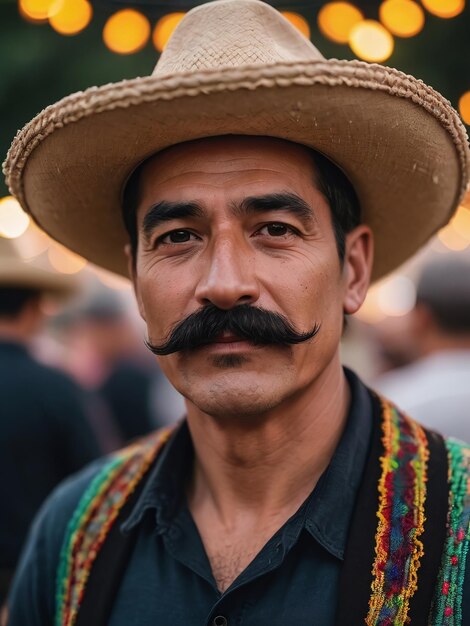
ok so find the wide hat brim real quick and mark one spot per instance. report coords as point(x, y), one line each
point(17, 273)
point(400, 143)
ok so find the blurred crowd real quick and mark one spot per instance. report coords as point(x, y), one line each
point(421, 360)
point(80, 383)
point(74, 385)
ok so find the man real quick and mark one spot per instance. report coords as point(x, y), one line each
point(435, 388)
point(246, 248)
point(44, 432)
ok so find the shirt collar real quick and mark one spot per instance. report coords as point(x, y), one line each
point(328, 510)
point(165, 487)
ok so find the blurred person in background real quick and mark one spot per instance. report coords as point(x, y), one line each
point(44, 430)
point(106, 355)
point(393, 346)
point(435, 388)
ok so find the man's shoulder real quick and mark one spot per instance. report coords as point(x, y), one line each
point(58, 520)
point(35, 577)
point(80, 506)
point(66, 498)
point(54, 515)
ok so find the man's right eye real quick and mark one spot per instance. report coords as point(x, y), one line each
point(177, 236)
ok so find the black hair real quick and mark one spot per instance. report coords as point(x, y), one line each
point(14, 299)
point(341, 197)
point(330, 179)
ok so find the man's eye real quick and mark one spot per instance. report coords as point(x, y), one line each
point(177, 236)
point(276, 229)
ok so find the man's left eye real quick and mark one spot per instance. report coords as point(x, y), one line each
point(276, 229)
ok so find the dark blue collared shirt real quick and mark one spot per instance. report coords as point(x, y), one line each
point(293, 579)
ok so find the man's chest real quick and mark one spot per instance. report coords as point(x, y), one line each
point(230, 551)
point(230, 557)
point(169, 581)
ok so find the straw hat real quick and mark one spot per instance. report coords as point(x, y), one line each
point(15, 272)
point(238, 67)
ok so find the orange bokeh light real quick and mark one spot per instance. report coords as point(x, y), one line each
point(126, 31)
point(464, 107)
point(370, 41)
point(444, 8)
point(404, 18)
point(336, 20)
point(69, 17)
point(298, 21)
point(13, 220)
point(35, 10)
point(164, 29)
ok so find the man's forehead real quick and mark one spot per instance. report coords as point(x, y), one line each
point(217, 154)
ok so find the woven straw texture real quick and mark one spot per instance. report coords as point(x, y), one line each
point(238, 67)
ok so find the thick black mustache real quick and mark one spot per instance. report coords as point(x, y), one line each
point(254, 324)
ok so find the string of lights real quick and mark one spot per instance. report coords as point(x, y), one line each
point(130, 26)
point(368, 28)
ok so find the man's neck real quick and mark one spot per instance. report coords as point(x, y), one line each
point(267, 466)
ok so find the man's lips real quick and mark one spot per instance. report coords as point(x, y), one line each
point(227, 342)
point(228, 338)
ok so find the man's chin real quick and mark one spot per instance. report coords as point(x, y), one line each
point(235, 393)
point(234, 409)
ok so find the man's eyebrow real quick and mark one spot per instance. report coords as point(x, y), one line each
point(282, 201)
point(166, 211)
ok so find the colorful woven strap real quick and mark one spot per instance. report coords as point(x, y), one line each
point(398, 544)
point(402, 495)
point(93, 518)
point(447, 607)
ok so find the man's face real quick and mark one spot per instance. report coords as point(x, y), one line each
point(240, 221)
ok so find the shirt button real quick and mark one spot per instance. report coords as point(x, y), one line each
point(220, 620)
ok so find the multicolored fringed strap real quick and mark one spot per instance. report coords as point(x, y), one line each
point(402, 494)
point(93, 518)
point(447, 606)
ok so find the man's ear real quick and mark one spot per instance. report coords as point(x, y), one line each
point(358, 259)
point(131, 266)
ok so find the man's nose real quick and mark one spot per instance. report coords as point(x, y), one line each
point(229, 278)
